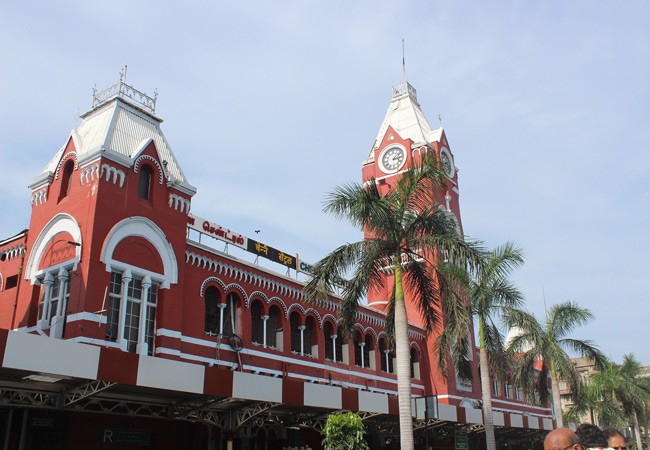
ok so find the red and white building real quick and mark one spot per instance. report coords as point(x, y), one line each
point(125, 324)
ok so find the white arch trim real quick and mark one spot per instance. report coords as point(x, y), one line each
point(58, 224)
point(144, 228)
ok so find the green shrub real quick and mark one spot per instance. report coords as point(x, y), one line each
point(344, 431)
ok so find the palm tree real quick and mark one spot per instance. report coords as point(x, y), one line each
point(548, 344)
point(490, 295)
point(624, 386)
point(409, 236)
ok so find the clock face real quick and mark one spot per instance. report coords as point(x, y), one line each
point(447, 164)
point(392, 159)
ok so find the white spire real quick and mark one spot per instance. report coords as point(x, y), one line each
point(406, 117)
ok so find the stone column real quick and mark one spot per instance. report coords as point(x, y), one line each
point(43, 323)
point(58, 320)
point(143, 347)
point(264, 319)
point(126, 279)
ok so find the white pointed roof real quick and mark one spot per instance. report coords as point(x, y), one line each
point(406, 117)
point(121, 130)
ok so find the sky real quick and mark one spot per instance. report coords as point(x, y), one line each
point(270, 105)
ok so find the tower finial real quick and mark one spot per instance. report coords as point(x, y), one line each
point(403, 61)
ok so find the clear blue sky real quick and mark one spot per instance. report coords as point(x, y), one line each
point(269, 105)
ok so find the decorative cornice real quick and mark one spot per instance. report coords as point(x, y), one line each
point(118, 174)
point(39, 197)
point(89, 173)
point(179, 203)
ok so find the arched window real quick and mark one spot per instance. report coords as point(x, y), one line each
point(339, 346)
point(273, 327)
point(212, 311)
point(415, 365)
point(308, 337)
point(257, 323)
point(66, 179)
point(330, 345)
point(144, 182)
point(358, 349)
point(368, 353)
point(229, 315)
point(296, 335)
point(386, 356)
point(140, 295)
point(52, 307)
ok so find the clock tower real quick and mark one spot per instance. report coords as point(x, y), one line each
point(404, 137)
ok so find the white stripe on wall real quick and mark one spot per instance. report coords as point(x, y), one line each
point(166, 373)
point(256, 387)
point(54, 356)
point(323, 396)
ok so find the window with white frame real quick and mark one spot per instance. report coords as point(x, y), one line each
point(508, 389)
point(131, 312)
point(496, 388)
point(54, 301)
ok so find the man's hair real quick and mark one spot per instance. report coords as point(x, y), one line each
point(609, 432)
point(591, 436)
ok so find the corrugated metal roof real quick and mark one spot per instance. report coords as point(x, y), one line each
point(406, 117)
point(122, 128)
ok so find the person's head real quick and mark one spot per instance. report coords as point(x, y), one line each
point(562, 439)
point(615, 439)
point(591, 436)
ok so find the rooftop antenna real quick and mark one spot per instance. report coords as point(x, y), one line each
point(123, 74)
point(403, 61)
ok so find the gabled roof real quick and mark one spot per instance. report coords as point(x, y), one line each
point(117, 127)
point(406, 117)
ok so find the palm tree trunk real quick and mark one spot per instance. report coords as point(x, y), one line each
point(403, 357)
point(557, 406)
point(647, 434)
point(637, 432)
point(488, 419)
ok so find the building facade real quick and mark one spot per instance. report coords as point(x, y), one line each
point(127, 321)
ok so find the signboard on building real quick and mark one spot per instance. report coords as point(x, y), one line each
point(217, 231)
point(271, 253)
point(125, 436)
point(461, 441)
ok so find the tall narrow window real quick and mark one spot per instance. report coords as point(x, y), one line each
point(132, 318)
point(139, 313)
point(113, 313)
point(272, 327)
point(308, 334)
point(496, 389)
point(414, 363)
point(358, 350)
point(66, 179)
point(229, 315)
point(53, 303)
point(211, 311)
point(339, 346)
point(257, 323)
point(144, 182)
point(294, 322)
point(386, 356)
point(328, 332)
point(508, 389)
point(150, 322)
point(367, 349)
